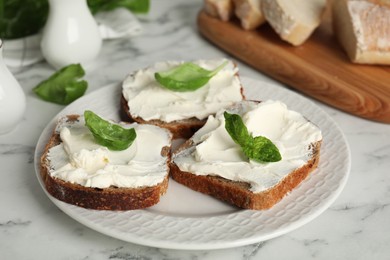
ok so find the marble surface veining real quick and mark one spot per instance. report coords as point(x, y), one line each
point(356, 226)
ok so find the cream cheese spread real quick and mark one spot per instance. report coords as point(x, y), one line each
point(79, 159)
point(147, 99)
point(215, 153)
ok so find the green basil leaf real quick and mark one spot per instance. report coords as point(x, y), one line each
point(135, 6)
point(186, 77)
point(64, 86)
point(236, 129)
point(20, 18)
point(259, 149)
point(112, 136)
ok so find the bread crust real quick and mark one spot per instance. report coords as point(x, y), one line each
point(347, 33)
point(381, 2)
point(221, 9)
point(251, 16)
point(286, 25)
point(238, 193)
point(111, 198)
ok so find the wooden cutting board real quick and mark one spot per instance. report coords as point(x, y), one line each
point(318, 68)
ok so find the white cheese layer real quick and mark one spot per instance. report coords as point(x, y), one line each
point(79, 159)
point(149, 100)
point(217, 154)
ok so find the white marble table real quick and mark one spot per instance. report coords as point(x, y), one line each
point(356, 226)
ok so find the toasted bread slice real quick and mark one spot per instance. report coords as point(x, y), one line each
point(229, 91)
point(238, 193)
point(244, 183)
point(107, 198)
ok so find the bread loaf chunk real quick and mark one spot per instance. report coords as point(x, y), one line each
point(146, 101)
point(249, 12)
point(363, 29)
point(77, 170)
point(293, 20)
point(381, 2)
point(221, 9)
point(212, 163)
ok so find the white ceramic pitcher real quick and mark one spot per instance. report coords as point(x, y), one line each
point(12, 98)
point(71, 34)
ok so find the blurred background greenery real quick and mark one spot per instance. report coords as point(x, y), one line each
point(20, 18)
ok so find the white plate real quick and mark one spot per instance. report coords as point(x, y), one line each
point(185, 219)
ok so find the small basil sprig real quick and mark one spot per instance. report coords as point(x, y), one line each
point(135, 6)
point(112, 136)
point(186, 77)
point(64, 86)
point(258, 148)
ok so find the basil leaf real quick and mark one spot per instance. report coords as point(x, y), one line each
point(259, 149)
point(19, 18)
point(112, 136)
point(64, 86)
point(186, 77)
point(135, 6)
point(236, 129)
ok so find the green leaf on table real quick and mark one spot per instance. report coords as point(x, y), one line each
point(112, 136)
point(64, 86)
point(258, 148)
point(135, 6)
point(186, 77)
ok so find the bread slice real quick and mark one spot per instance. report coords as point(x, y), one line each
point(108, 198)
point(221, 9)
point(237, 182)
point(293, 20)
point(363, 29)
point(184, 127)
point(249, 12)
